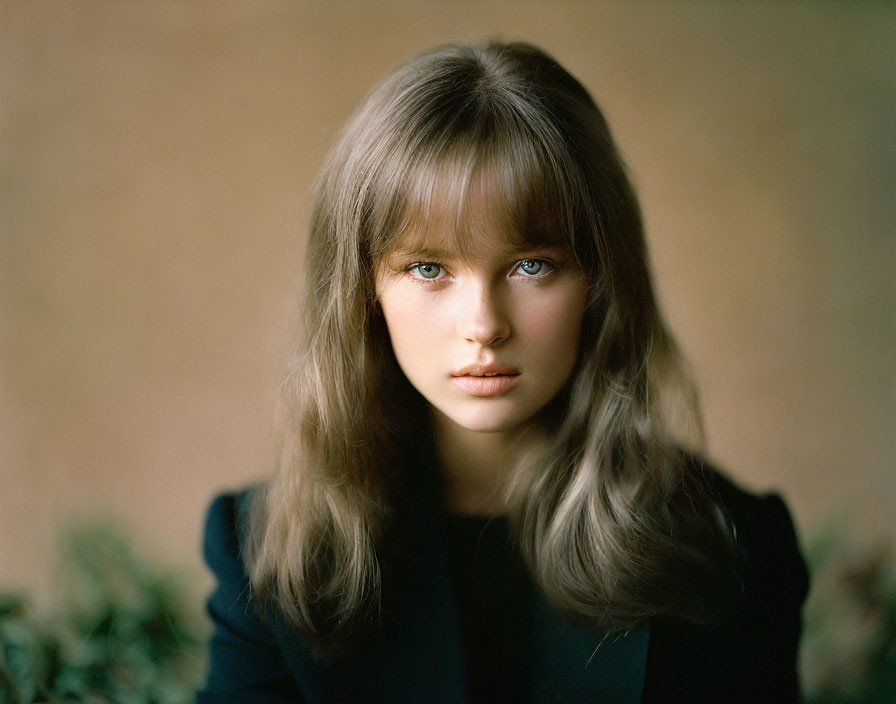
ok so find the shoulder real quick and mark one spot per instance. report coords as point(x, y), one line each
point(226, 523)
point(245, 654)
point(751, 512)
point(751, 655)
point(765, 536)
point(225, 529)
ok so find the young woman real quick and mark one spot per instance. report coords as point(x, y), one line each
point(481, 496)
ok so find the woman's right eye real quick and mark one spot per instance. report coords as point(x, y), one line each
point(427, 271)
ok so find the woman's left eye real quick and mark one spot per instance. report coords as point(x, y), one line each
point(534, 267)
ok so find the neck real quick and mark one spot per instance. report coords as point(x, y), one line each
point(474, 466)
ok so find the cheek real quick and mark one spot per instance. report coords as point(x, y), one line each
point(554, 326)
point(412, 326)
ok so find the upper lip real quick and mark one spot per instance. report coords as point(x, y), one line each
point(492, 369)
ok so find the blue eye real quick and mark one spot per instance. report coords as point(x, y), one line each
point(426, 270)
point(533, 267)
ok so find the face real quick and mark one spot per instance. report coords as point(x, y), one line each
point(488, 339)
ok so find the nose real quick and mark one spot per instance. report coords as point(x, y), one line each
point(482, 317)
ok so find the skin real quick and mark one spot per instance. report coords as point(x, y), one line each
point(516, 306)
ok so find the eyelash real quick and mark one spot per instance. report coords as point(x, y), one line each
point(411, 268)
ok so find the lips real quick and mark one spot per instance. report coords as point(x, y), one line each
point(491, 369)
point(486, 379)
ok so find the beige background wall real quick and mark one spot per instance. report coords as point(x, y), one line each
point(155, 160)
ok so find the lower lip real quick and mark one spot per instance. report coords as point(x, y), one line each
point(486, 385)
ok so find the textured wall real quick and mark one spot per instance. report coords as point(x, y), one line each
point(155, 160)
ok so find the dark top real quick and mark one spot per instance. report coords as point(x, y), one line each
point(493, 595)
point(424, 650)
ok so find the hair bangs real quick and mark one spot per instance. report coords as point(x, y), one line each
point(492, 188)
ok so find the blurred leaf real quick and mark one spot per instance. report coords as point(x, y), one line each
point(848, 653)
point(123, 631)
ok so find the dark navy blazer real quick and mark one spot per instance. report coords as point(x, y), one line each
point(417, 656)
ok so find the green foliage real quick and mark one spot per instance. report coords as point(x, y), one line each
point(849, 644)
point(122, 632)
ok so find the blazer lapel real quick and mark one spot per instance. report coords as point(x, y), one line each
point(578, 665)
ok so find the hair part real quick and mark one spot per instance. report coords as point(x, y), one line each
point(614, 522)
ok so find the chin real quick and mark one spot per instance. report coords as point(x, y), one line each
point(487, 420)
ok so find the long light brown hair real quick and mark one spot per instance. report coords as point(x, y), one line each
point(614, 521)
